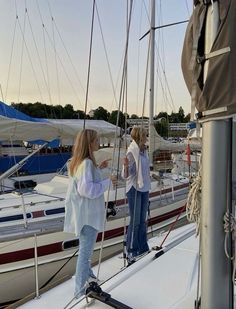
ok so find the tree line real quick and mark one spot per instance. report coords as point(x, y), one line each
point(41, 110)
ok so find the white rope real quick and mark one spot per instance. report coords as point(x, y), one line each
point(193, 206)
point(230, 228)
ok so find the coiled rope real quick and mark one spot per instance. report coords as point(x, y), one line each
point(193, 206)
point(230, 229)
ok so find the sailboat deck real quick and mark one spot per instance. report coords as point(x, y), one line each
point(169, 281)
point(145, 284)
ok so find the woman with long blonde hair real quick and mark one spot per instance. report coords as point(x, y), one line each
point(85, 205)
point(136, 171)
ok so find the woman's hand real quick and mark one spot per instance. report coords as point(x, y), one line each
point(126, 166)
point(104, 164)
point(126, 162)
point(114, 180)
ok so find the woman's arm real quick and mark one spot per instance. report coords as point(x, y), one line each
point(86, 185)
point(129, 166)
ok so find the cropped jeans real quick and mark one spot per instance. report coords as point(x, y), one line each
point(137, 229)
point(87, 240)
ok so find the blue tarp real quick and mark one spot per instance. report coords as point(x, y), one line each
point(53, 144)
point(10, 112)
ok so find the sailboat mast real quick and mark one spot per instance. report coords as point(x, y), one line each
point(216, 280)
point(151, 89)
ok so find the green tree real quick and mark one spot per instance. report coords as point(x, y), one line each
point(187, 118)
point(58, 111)
point(163, 116)
point(101, 114)
point(133, 116)
point(113, 118)
point(68, 112)
point(181, 114)
point(80, 114)
point(174, 117)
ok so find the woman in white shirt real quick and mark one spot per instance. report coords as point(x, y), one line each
point(85, 205)
point(136, 171)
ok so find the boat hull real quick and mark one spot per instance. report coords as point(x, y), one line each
point(17, 269)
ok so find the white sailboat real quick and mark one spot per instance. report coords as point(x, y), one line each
point(41, 213)
point(171, 278)
point(31, 230)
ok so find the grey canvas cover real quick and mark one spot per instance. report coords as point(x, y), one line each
point(219, 89)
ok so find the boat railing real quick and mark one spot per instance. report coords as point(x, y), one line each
point(54, 199)
point(24, 212)
point(36, 267)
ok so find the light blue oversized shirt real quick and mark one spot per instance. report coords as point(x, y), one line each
point(131, 180)
point(84, 204)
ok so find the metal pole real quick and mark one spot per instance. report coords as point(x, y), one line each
point(151, 89)
point(216, 291)
point(24, 211)
point(36, 267)
point(216, 288)
point(172, 190)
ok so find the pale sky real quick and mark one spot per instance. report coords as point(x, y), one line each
point(35, 66)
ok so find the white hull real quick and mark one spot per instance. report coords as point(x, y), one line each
point(14, 273)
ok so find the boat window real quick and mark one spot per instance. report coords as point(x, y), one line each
point(54, 211)
point(68, 244)
point(15, 217)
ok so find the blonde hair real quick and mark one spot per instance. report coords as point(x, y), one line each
point(137, 134)
point(82, 149)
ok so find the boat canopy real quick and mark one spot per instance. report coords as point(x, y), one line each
point(15, 125)
point(217, 94)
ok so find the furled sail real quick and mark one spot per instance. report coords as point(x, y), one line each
point(216, 95)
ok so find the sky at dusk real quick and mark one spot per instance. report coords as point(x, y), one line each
point(45, 59)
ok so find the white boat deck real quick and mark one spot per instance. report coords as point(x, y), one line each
point(145, 284)
point(169, 281)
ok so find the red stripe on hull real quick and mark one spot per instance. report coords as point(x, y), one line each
point(37, 214)
point(25, 254)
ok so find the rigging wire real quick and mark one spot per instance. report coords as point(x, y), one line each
point(30, 60)
point(124, 107)
point(45, 54)
point(55, 56)
point(89, 64)
point(11, 57)
point(171, 103)
point(51, 41)
point(138, 63)
point(38, 56)
point(187, 7)
point(22, 54)
point(107, 59)
point(69, 58)
point(116, 133)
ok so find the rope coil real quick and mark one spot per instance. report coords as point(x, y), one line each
point(230, 229)
point(193, 205)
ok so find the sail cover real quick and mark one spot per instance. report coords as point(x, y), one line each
point(218, 94)
point(15, 125)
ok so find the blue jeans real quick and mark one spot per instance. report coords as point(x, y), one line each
point(137, 229)
point(87, 240)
